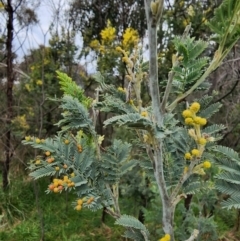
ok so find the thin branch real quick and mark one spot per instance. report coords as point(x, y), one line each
point(233, 88)
point(16, 70)
point(231, 60)
point(172, 73)
point(194, 235)
point(112, 213)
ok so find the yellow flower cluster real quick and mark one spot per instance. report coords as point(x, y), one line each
point(59, 184)
point(80, 202)
point(108, 34)
point(201, 139)
point(130, 38)
point(20, 121)
point(94, 44)
point(190, 115)
point(167, 237)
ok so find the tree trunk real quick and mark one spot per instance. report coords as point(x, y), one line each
point(10, 82)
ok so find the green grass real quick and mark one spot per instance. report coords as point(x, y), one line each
point(22, 216)
point(60, 221)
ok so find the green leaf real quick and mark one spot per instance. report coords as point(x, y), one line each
point(131, 222)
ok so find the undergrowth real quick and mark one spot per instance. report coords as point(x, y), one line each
point(21, 218)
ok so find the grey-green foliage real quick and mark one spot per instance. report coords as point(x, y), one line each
point(133, 120)
point(225, 23)
point(135, 229)
point(228, 179)
point(178, 142)
point(75, 116)
point(80, 159)
point(117, 161)
point(191, 67)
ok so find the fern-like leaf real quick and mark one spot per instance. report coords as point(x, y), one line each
point(131, 222)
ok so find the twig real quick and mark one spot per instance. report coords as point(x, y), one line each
point(193, 235)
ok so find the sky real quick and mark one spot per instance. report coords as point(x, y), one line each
point(39, 34)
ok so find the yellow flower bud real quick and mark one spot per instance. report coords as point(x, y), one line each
point(27, 138)
point(188, 156)
point(189, 121)
point(195, 107)
point(187, 113)
point(195, 152)
point(207, 164)
point(119, 49)
point(197, 120)
point(202, 121)
point(38, 141)
point(202, 141)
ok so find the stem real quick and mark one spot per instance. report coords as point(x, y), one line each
point(152, 22)
point(193, 235)
point(153, 63)
point(166, 203)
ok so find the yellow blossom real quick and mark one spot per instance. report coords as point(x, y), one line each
point(167, 237)
point(120, 89)
point(39, 82)
point(188, 156)
point(195, 107)
point(94, 44)
point(190, 11)
point(119, 49)
point(27, 138)
point(200, 121)
point(207, 164)
point(108, 34)
point(185, 170)
point(195, 152)
point(125, 59)
point(20, 121)
point(202, 141)
point(38, 141)
point(144, 113)
point(187, 113)
point(130, 37)
point(189, 121)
